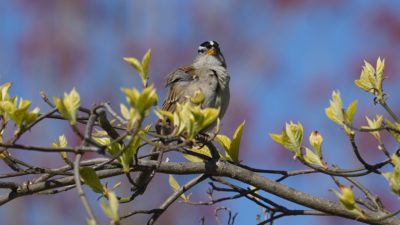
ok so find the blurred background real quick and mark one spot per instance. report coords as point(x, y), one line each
point(285, 58)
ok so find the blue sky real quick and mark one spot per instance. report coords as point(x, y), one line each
point(285, 59)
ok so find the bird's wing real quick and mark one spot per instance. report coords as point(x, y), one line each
point(183, 74)
point(177, 81)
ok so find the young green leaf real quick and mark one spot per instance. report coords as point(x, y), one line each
point(235, 144)
point(175, 186)
point(394, 177)
point(197, 98)
point(145, 66)
point(4, 88)
point(380, 68)
point(125, 112)
point(173, 183)
point(335, 109)
point(374, 124)
point(90, 178)
point(278, 138)
point(225, 143)
point(294, 136)
point(371, 79)
point(141, 67)
point(69, 105)
point(61, 143)
point(290, 138)
point(141, 102)
point(203, 150)
point(19, 114)
point(91, 221)
point(347, 199)
point(112, 147)
point(203, 118)
point(189, 119)
point(134, 63)
point(394, 132)
point(338, 114)
point(351, 110)
point(312, 158)
point(111, 209)
point(131, 149)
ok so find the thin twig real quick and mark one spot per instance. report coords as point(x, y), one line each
point(175, 196)
point(86, 138)
point(389, 110)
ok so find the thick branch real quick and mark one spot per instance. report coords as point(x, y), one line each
point(223, 169)
point(251, 178)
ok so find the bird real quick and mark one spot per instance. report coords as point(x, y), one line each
point(207, 73)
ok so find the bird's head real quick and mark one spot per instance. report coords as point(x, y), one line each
point(210, 53)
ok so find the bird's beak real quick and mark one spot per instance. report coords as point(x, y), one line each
point(212, 51)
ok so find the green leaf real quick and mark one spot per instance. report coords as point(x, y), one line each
point(126, 113)
point(371, 79)
point(112, 148)
point(234, 147)
point(197, 98)
point(294, 136)
point(203, 150)
point(278, 138)
point(173, 183)
point(91, 221)
point(61, 143)
point(290, 138)
point(191, 119)
point(335, 109)
point(312, 158)
point(111, 209)
point(351, 110)
point(346, 197)
point(203, 118)
point(224, 141)
point(380, 68)
point(164, 115)
point(69, 105)
point(90, 178)
point(134, 63)
point(141, 67)
point(175, 186)
point(394, 177)
point(18, 114)
point(8, 107)
point(141, 102)
point(31, 116)
point(126, 157)
point(374, 124)
point(4, 88)
point(338, 114)
point(147, 99)
point(145, 66)
point(347, 200)
point(394, 132)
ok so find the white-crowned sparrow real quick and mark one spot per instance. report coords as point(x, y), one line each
point(207, 74)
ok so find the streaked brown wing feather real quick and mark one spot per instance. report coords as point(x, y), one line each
point(177, 80)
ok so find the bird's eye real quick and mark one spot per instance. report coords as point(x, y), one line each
point(202, 50)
